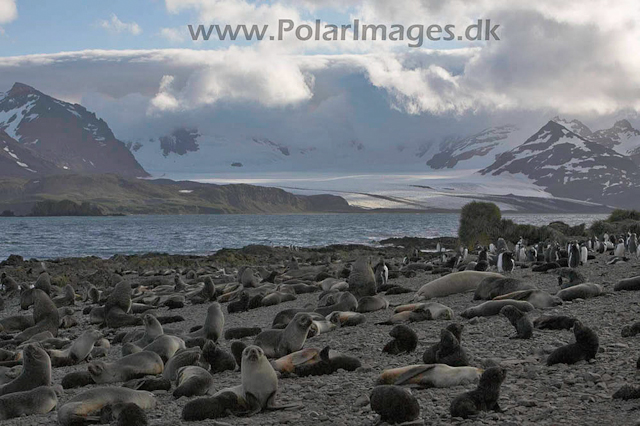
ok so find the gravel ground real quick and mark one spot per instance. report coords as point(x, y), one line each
point(531, 394)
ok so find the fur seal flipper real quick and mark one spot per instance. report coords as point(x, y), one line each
point(483, 398)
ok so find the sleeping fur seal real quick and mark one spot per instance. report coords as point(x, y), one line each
point(129, 367)
point(457, 282)
point(40, 400)
point(429, 376)
point(580, 291)
point(492, 307)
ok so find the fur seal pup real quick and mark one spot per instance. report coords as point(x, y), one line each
point(241, 332)
point(554, 322)
point(346, 319)
point(627, 392)
point(394, 404)
point(278, 343)
point(192, 380)
point(630, 284)
point(87, 406)
point(538, 298)
point(237, 348)
point(77, 352)
point(483, 398)
point(219, 359)
point(40, 400)
point(429, 376)
point(180, 359)
point(493, 307)
point(546, 267)
point(580, 291)
point(77, 379)
point(372, 304)
point(492, 287)
point(430, 354)
point(362, 281)
point(315, 362)
point(240, 305)
point(346, 302)
point(438, 310)
point(213, 324)
point(585, 347)
point(450, 352)
point(405, 340)
point(129, 367)
point(36, 371)
point(454, 283)
point(165, 346)
point(150, 384)
point(518, 319)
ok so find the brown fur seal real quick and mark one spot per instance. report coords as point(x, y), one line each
point(585, 347)
point(87, 406)
point(429, 376)
point(77, 352)
point(554, 322)
point(394, 404)
point(43, 283)
point(181, 359)
point(421, 313)
point(492, 287)
point(45, 316)
point(315, 362)
point(40, 400)
point(493, 307)
point(213, 324)
point(346, 302)
point(118, 306)
point(518, 319)
point(372, 304)
point(192, 380)
point(404, 340)
point(457, 282)
point(483, 398)
point(449, 351)
point(36, 371)
point(362, 281)
point(580, 291)
point(346, 319)
point(129, 367)
point(165, 346)
point(241, 332)
point(629, 284)
point(429, 356)
point(538, 298)
point(219, 359)
point(278, 343)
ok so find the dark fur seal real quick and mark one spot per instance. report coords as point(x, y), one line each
point(627, 392)
point(450, 352)
point(483, 398)
point(554, 322)
point(631, 330)
point(518, 319)
point(429, 356)
point(629, 284)
point(404, 340)
point(585, 347)
point(149, 384)
point(241, 332)
point(36, 371)
point(493, 307)
point(219, 359)
point(394, 404)
point(39, 400)
point(492, 287)
point(315, 362)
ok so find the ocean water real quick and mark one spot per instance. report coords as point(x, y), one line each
point(55, 237)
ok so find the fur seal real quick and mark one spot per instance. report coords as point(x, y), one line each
point(152, 330)
point(394, 404)
point(43, 283)
point(213, 324)
point(429, 376)
point(492, 287)
point(165, 346)
point(180, 359)
point(554, 322)
point(438, 310)
point(580, 291)
point(192, 380)
point(372, 304)
point(483, 398)
point(454, 283)
point(77, 379)
point(276, 298)
point(219, 359)
point(346, 302)
point(627, 392)
point(118, 306)
point(45, 316)
point(585, 347)
point(430, 354)
point(449, 350)
point(241, 332)
point(240, 305)
point(404, 340)
point(36, 371)
point(519, 319)
point(629, 284)
point(493, 307)
point(315, 362)
point(77, 352)
point(420, 313)
point(362, 281)
point(150, 384)
point(538, 298)
point(68, 297)
point(278, 343)
point(631, 330)
point(40, 400)
point(87, 406)
point(129, 367)
point(346, 319)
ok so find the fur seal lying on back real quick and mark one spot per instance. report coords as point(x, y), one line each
point(278, 343)
point(36, 371)
point(538, 298)
point(394, 404)
point(493, 307)
point(39, 400)
point(585, 347)
point(457, 282)
point(129, 367)
point(315, 362)
point(483, 398)
point(87, 406)
point(429, 376)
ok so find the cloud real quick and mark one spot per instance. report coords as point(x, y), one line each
point(175, 35)
point(115, 25)
point(8, 11)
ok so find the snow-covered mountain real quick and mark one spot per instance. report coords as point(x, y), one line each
point(568, 165)
point(66, 135)
point(19, 161)
point(475, 151)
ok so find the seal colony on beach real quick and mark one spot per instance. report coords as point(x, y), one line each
point(320, 335)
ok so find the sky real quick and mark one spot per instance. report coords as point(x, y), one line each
point(134, 64)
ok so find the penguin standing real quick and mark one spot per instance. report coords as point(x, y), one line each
point(584, 255)
point(633, 244)
point(574, 255)
point(508, 264)
point(619, 251)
